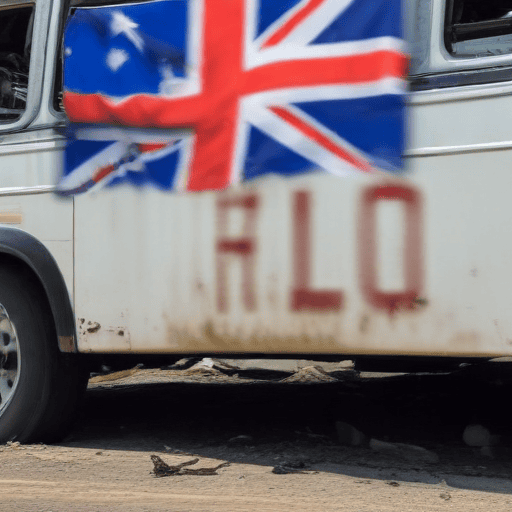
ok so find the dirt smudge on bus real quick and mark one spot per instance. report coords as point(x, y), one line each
point(364, 323)
point(468, 341)
point(211, 339)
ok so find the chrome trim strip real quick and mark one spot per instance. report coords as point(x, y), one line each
point(457, 150)
point(25, 191)
point(459, 93)
point(29, 147)
point(9, 4)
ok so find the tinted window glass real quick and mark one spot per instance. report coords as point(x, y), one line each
point(477, 28)
point(15, 46)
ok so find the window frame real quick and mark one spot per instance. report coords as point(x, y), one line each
point(42, 15)
point(440, 69)
point(442, 60)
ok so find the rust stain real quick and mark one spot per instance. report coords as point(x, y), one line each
point(93, 327)
point(90, 334)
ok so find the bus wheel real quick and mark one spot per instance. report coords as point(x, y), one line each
point(39, 386)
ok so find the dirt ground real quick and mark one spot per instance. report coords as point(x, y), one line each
point(280, 432)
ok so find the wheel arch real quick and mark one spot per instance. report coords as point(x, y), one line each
point(24, 249)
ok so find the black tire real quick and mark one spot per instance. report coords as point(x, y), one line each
point(41, 386)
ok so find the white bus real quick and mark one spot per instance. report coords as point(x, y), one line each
point(375, 269)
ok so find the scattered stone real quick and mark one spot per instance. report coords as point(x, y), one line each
point(182, 364)
point(224, 364)
point(258, 369)
point(241, 440)
point(349, 435)
point(174, 451)
point(205, 366)
point(282, 470)
point(478, 435)
point(285, 470)
point(161, 468)
point(393, 484)
point(310, 374)
point(13, 445)
point(185, 361)
point(292, 466)
point(295, 464)
point(445, 496)
point(408, 452)
point(207, 362)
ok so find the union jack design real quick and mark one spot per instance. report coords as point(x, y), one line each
point(255, 87)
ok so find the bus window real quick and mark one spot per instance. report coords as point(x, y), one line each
point(477, 29)
point(16, 22)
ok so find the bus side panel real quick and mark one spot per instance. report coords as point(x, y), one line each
point(27, 202)
point(318, 264)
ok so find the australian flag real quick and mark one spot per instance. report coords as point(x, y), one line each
point(201, 94)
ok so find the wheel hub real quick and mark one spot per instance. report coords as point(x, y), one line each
point(9, 358)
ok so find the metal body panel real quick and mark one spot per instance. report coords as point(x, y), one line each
point(29, 165)
point(164, 286)
point(159, 258)
point(43, 234)
point(387, 266)
point(27, 249)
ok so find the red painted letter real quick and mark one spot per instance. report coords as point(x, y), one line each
point(304, 298)
point(413, 272)
point(245, 247)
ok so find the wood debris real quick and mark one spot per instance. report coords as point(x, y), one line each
point(161, 468)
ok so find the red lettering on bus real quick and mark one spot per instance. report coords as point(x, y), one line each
point(303, 297)
point(413, 257)
point(244, 246)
